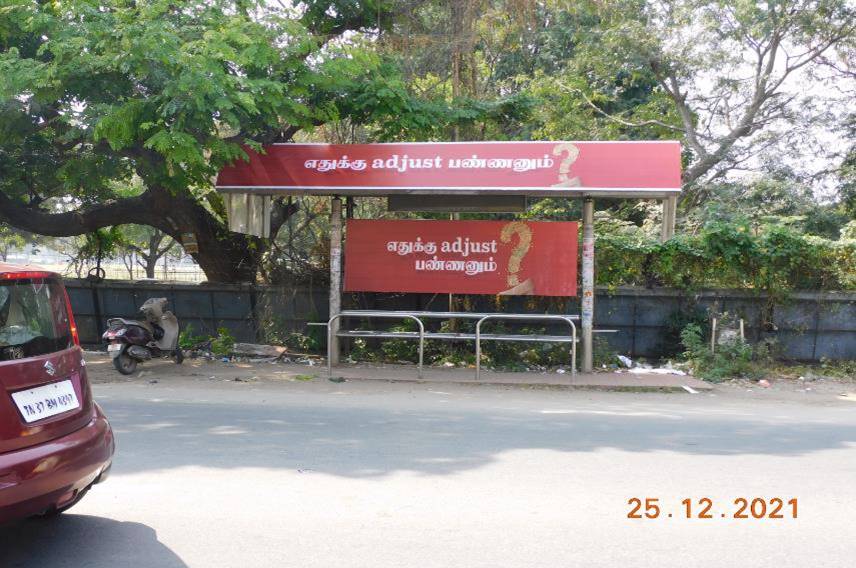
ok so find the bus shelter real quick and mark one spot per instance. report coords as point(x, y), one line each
point(460, 257)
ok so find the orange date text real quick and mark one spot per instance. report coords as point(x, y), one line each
point(706, 508)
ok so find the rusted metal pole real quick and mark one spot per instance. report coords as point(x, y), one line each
point(335, 277)
point(587, 315)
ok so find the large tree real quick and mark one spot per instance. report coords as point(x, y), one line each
point(97, 94)
point(736, 80)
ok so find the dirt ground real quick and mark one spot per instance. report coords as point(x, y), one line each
point(812, 389)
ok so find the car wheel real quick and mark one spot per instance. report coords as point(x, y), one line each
point(178, 355)
point(125, 364)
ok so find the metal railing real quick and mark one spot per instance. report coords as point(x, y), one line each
point(478, 336)
point(368, 313)
point(532, 317)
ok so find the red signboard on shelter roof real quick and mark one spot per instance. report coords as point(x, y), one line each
point(561, 168)
point(462, 257)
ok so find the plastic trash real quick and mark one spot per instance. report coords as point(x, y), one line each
point(656, 371)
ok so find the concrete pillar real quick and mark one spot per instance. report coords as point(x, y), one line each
point(335, 272)
point(587, 315)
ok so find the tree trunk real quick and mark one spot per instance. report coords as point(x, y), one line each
point(223, 255)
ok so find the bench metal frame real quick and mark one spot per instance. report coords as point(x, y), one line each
point(331, 337)
point(532, 317)
point(478, 336)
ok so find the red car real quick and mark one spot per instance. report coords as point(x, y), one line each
point(55, 442)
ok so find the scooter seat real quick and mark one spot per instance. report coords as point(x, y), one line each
point(122, 321)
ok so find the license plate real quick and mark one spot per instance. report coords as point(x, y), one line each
point(44, 402)
point(114, 347)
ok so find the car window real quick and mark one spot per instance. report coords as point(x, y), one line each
point(33, 318)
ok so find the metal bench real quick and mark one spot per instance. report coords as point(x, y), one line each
point(478, 336)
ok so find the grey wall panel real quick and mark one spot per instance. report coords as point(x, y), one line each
point(193, 303)
point(795, 345)
point(837, 316)
point(795, 315)
point(653, 310)
point(835, 345)
point(208, 307)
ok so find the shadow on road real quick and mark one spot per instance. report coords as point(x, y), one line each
point(76, 541)
point(364, 442)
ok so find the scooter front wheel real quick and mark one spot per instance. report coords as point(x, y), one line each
point(125, 364)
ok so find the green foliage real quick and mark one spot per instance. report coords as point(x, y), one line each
point(603, 356)
point(362, 351)
point(164, 93)
point(300, 342)
point(670, 339)
point(733, 358)
point(845, 369)
point(186, 339)
point(277, 330)
point(101, 241)
point(10, 240)
point(773, 259)
point(223, 344)
point(395, 350)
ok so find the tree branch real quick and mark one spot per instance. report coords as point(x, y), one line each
point(119, 212)
point(613, 118)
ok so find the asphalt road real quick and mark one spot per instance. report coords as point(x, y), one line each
point(213, 472)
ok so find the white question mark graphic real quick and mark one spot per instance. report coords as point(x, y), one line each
point(572, 153)
point(524, 240)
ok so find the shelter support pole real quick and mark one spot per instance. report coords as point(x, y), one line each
point(335, 275)
point(588, 285)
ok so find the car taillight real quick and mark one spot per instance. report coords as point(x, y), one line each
point(28, 274)
point(72, 326)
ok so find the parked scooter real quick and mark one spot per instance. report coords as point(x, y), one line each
point(132, 341)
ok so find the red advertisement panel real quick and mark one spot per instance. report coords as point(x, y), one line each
point(462, 257)
point(563, 167)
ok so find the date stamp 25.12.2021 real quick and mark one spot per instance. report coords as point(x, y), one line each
point(706, 508)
